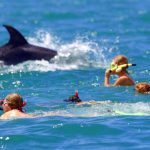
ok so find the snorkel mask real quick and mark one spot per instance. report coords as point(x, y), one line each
point(118, 68)
point(113, 66)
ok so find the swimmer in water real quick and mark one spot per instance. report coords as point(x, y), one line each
point(123, 77)
point(143, 88)
point(12, 107)
point(75, 99)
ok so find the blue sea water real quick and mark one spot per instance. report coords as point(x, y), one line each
point(87, 34)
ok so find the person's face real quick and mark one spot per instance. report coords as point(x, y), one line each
point(5, 106)
point(113, 65)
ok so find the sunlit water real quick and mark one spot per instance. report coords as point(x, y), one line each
point(86, 35)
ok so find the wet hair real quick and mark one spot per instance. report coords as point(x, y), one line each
point(15, 101)
point(121, 59)
point(143, 88)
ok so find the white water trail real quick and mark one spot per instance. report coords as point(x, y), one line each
point(107, 108)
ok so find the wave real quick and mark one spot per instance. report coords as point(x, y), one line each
point(102, 109)
point(77, 54)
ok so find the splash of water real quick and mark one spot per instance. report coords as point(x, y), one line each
point(78, 54)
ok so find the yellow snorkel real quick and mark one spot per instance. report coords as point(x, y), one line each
point(118, 68)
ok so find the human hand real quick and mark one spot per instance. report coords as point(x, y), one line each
point(107, 73)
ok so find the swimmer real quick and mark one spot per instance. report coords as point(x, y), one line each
point(75, 99)
point(12, 107)
point(123, 77)
point(143, 88)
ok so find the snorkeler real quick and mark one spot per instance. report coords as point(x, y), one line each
point(119, 67)
point(143, 88)
point(12, 107)
point(75, 99)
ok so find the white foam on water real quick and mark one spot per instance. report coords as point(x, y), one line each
point(77, 54)
point(104, 109)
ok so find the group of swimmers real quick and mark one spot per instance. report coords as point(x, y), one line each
point(13, 104)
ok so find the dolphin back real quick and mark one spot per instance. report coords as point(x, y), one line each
point(16, 38)
point(18, 50)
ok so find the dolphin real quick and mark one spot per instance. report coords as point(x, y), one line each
point(18, 50)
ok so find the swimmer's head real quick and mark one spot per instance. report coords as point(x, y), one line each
point(143, 88)
point(74, 98)
point(117, 61)
point(14, 101)
point(120, 60)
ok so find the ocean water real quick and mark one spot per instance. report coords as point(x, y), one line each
point(87, 34)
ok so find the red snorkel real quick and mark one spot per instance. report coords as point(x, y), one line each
point(24, 104)
point(74, 98)
point(77, 94)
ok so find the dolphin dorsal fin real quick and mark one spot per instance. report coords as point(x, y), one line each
point(16, 38)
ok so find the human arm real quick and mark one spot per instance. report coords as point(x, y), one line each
point(89, 103)
point(107, 76)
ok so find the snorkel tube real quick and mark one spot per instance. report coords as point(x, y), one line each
point(118, 68)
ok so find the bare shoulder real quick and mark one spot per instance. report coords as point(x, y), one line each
point(124, 81)
point(21, 114)
point(14, 114)
point(83, 103)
